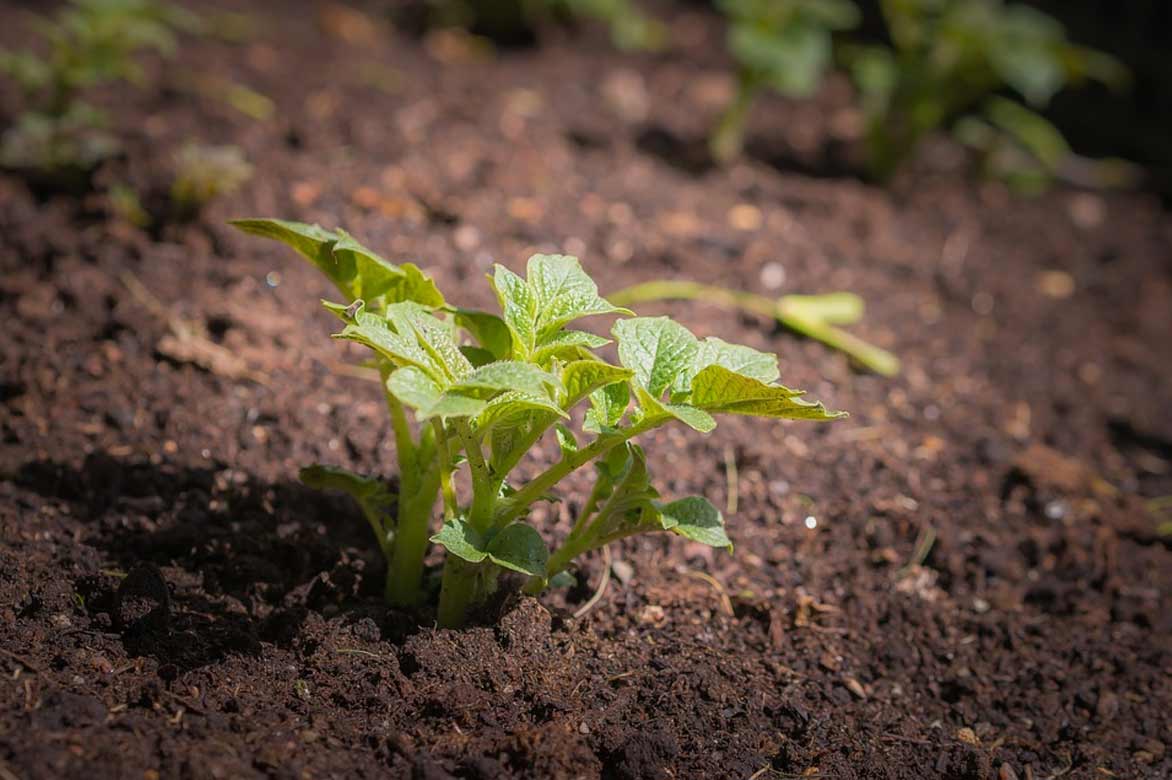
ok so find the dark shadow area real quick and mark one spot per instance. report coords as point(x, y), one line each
point(692, 155)
point(689, 155)
point(831, 161)
point(253, 557)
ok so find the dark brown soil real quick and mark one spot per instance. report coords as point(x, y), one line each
point(983, 595)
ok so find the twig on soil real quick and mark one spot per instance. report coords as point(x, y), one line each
point(725, 601)
point(186, 343)
point(186, 703)
point(357, 651)
point(590, 604)
point(730, 476)
point(767, 769)
point(924, 542)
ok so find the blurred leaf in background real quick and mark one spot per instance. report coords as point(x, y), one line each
point(956, 63)
point(88, 43)
point(784, 45)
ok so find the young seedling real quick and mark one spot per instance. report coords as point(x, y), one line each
point(814, 316)
point(204, 173)
point(947, 62)
point(486, 389)
point(89, 43)
point(783, 45)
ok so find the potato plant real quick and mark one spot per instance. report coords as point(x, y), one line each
point(484, 389)
point(949, 60)
point(783, 45)
point(88, 43)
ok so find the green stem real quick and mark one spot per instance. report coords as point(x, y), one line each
point(464, 585)
point(559, 561)
point(587, 509)
point(405, 565)
point(691, 291)
point(483, 493)
point(728, 139)
point(451, 507)
point(512, 507)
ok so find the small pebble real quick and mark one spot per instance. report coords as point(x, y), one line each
point(772, 276)
point(855, 687)
point(745, 217)
point(968, 736)
point(1058, 285)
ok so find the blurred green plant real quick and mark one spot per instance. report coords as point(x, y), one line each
point(948, 66)
point(783, 45)
point(204, 173)
point(88, 43)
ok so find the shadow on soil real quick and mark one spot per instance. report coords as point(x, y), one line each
point(207, 562)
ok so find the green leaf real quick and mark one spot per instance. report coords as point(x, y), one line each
point(694, 418)
point(321, 477)
point(1031, 130)
point(434, 336)
point(563, 579)
point(355, 270)
point(517, 547)
point(743, 360)
point(556, 291)
point(313, 242)
point(567, 344)
point(697, 519)
point(455, 405)
point(719, 390)
point(477, 356)
point(460, 539)
point(583, 377)
point(1025, 51)
point(656, 349)
point(563, 293)
point(566, 441)
point(415, 389)
point(374, 331)
point(489, 330)
point(516, 408)
point(607, 406)
point(518, 309)
point(506, 375)
point(375, 499)
point(520, 548)
point(414, 285)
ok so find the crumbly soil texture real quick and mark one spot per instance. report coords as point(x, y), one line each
point(964, 580)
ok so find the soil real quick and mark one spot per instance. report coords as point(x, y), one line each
point(964, 580)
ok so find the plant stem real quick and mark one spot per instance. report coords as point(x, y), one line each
point(451, 508)
point(728, 139)
point(510, 508)
point(464, 584)
point(587, 509)
point(405, 565)
point(483, 491)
